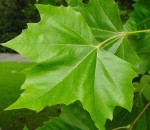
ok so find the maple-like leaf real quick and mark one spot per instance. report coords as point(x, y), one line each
point(140, 17)
point(71, 65)
point(140, 20)
point(104, 21)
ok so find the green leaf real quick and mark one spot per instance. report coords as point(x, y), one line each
point(140, 20)
point(123, 118)
point(144, 86)
point(104, 21)
point(143, 50)
point(73, 2)
point(104, 16)
point(71, 65)
point(122, 48)
point(73, 117)
point(25, 128)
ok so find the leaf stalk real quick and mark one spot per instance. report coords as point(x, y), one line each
point(123, 127)
point(121, 34)
point(140, 114)
point(140, 31)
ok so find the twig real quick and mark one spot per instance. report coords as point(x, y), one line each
point(123, 127)
point(140, 114)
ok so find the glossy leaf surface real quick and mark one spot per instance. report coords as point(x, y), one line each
point(104, 21)
point(71, 65)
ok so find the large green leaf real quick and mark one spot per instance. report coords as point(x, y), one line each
point(71, 65)
point(104, 21)
point(143, 50)
point(140, 20)
point(73, 117)
point(102, 18)
point(100, 15)
point(144, 86)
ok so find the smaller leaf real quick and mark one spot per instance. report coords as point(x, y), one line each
point(123, 118)
point(73, 2)
point(145, 81)
point(140, 17)
point(25, 128)
point(144, 86)
point(73, 117)
point(143, 50)
point(140, 20)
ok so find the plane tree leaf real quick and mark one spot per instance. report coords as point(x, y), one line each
point(104, 16)
point(73, 3)
point(140, 20)
point(104, 21)
point(71, 65)
point(144, 86)
point(140, 17)
point(143, 50)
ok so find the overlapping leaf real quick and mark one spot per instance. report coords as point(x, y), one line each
point(25, 128)
point(144, 86)
point(71, 65)
point(104, 21)
point(140, 20)
point(73, 117)
point(123, 118)
point(143, 50)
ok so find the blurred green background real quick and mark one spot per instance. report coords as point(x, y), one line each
point(14, 14)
